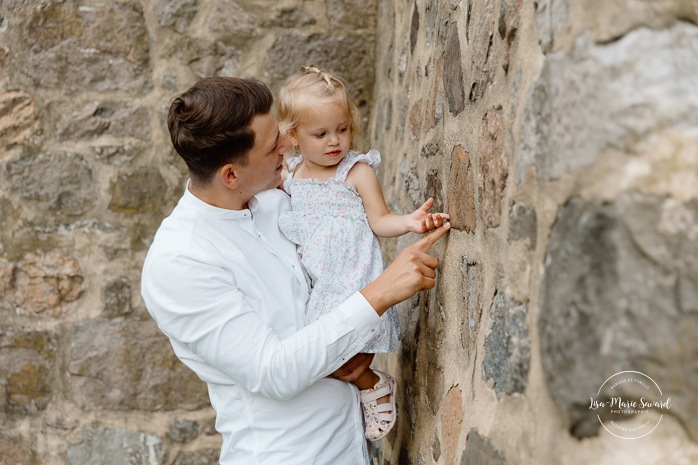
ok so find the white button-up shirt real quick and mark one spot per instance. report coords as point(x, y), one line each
point(228, 290)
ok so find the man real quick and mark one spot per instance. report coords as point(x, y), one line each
point(228, 290)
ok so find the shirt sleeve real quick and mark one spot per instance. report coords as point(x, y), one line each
point(198, 306)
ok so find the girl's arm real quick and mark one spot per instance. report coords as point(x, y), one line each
point(382, 222)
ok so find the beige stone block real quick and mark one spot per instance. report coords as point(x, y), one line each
point(18, 118)
point(44, 282)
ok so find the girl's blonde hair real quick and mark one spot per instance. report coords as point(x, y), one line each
point(311, 85)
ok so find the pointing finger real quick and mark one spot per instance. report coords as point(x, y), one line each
point(428, 240)
point(427, 205)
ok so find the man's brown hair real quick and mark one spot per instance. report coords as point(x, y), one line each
point(209, 124)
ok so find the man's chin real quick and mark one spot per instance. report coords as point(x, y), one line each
point(276, 184)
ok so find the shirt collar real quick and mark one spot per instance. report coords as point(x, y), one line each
point(223, 213)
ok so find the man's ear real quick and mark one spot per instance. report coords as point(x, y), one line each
point(228, 175)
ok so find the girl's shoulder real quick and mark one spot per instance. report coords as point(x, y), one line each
point(293, 162)
point(372, 158)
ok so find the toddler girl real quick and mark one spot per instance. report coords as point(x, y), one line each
point(338, 209)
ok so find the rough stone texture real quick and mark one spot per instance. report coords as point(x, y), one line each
point(435, 103)
point(99, 118)
point(98, 48)
point(354, 63)
point(15, 451)
point(416, 119)
point(507, 346)
point(551, 16)
point(508, 25)
point(87, 173)
point(116, 296)
point(183, 430)
point(461, 191)
point(479, 449)
point(205, 57)
point(124, 365)
point(494, 167)
point(176, 14)
point(45, 282)
point(434, 189)
point(538, 106)
point(57, 197)
point(620, 291)
point(523, 225)
point(431, 149)
point(18, 118)
point(230, 21)
point(453, 72)
point(607, 21)
point(292, 17)
point(414, 28)
point(472, 302)
point(633, 82)
point(198, 457)
point(138, 191)
point(27, 372)
point(7, 270)
point(352, 15)
point(483, 61)
point(511, 110)
point(451, 421)
point(116, 447)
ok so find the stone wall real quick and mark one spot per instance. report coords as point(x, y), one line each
point(560, 135)
point(86, 176)
point(562, 138)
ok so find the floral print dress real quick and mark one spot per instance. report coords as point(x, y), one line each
point(336, 244)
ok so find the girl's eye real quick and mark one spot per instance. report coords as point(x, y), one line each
point(342, 130)
point(320, 134)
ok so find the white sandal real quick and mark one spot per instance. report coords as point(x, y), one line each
point(378, 422)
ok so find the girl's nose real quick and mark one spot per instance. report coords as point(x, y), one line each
point(334, 140)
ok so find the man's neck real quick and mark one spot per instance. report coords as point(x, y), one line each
point(219, 196)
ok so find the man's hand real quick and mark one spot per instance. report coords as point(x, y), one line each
point(355, 367)
point(412, 271)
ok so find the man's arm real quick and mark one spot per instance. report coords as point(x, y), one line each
point(227, 340)
point(200, 307)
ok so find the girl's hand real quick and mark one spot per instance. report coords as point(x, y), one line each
point(421, 221)
point(354, 368)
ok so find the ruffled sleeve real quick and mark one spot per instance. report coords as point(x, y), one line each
point(372, 158)
point(291, 165)
point(293, 162)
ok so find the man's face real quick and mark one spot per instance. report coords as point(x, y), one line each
point(263, 169)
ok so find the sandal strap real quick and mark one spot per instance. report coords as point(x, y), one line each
point(372, 394)
point(387, 407)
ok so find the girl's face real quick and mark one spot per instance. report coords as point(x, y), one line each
point(324, 136)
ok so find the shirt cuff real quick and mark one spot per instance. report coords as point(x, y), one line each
point(359, 314)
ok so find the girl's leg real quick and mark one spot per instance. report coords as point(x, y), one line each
point(379, 412)
point(368, 380)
